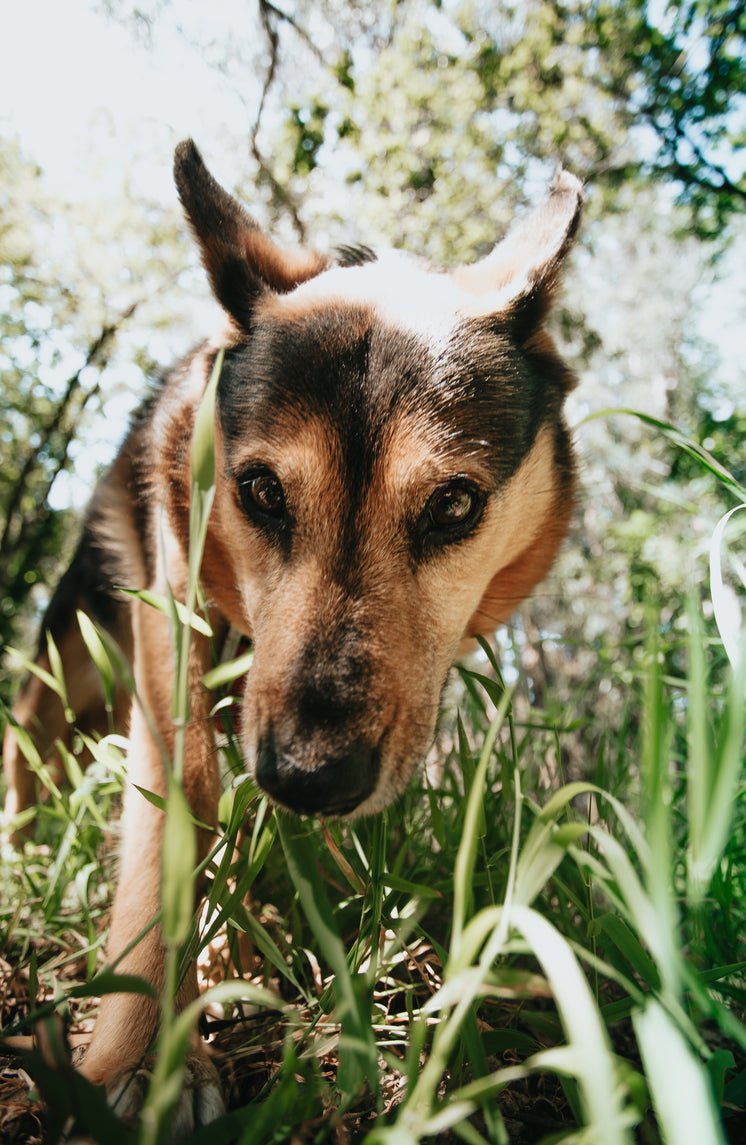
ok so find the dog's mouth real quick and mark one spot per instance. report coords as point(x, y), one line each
point(332, 788)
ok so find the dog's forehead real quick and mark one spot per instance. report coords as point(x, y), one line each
point(356, 344)
point(366, 349)
point(400, 290)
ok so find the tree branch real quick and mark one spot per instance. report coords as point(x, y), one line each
point(295, 26)
point(266, 9)
point(97, 354)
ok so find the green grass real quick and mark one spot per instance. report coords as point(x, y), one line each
point(509, 955)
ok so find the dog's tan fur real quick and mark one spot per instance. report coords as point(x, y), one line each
point(351, 649)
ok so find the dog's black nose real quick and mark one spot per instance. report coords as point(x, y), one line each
point(335, 786)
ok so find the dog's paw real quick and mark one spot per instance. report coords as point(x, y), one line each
point(200, 1102)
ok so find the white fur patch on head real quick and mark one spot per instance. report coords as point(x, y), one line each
point(399, 289)
point(405, 292)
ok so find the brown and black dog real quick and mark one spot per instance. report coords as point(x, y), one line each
point(393, 474)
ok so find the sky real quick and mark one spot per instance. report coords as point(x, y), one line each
point(68, 72)
point(76, 88)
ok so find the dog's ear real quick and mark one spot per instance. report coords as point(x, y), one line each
point(517, 280)
point(241, 261)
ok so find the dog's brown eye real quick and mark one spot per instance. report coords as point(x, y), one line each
point(262, 495)
point(452, 505)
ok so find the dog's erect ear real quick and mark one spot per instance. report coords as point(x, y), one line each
point(241, 261)
point(517, 280)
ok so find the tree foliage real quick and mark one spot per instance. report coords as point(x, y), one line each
point(73, 278)
point(600, 86)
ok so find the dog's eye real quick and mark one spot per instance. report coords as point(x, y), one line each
point(453, 506)
point(262, 496)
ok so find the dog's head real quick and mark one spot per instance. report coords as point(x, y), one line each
point(393, 474)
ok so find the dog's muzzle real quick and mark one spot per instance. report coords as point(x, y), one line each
point(333, 787)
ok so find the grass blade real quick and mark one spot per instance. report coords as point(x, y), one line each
point(467, 852)
point(679, 1084)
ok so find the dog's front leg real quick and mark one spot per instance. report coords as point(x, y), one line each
point(127, 1023)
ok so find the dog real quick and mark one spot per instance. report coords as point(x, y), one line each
point(393, 475)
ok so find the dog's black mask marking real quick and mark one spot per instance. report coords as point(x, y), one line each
point(483, 397)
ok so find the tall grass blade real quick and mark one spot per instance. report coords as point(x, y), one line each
point(714, 764)
point(588, 1057)
point(678, 1082)
point(170, 606)
point(179, 850)
point(725, 602)
point(47, 678)
point(657, 734)
point(202, 494)
point(100, 657)
point(358, 1048)
point(30, 753)
point(55, 661)
point(674, 435)
point(179, 863)
point(473, 819)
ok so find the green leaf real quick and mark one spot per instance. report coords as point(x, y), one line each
point(108, 982)
point(99, 655)
point(588, 1055)
point(36, 670)
point(473, 823)
point(350, 990)
point(58, 672)
point(226, 673)
point(630, 947)
point(203, 471)
point(179, 862)
point(698, 452)
point(163, 604)
point(714, 769)
point(678, 1082)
